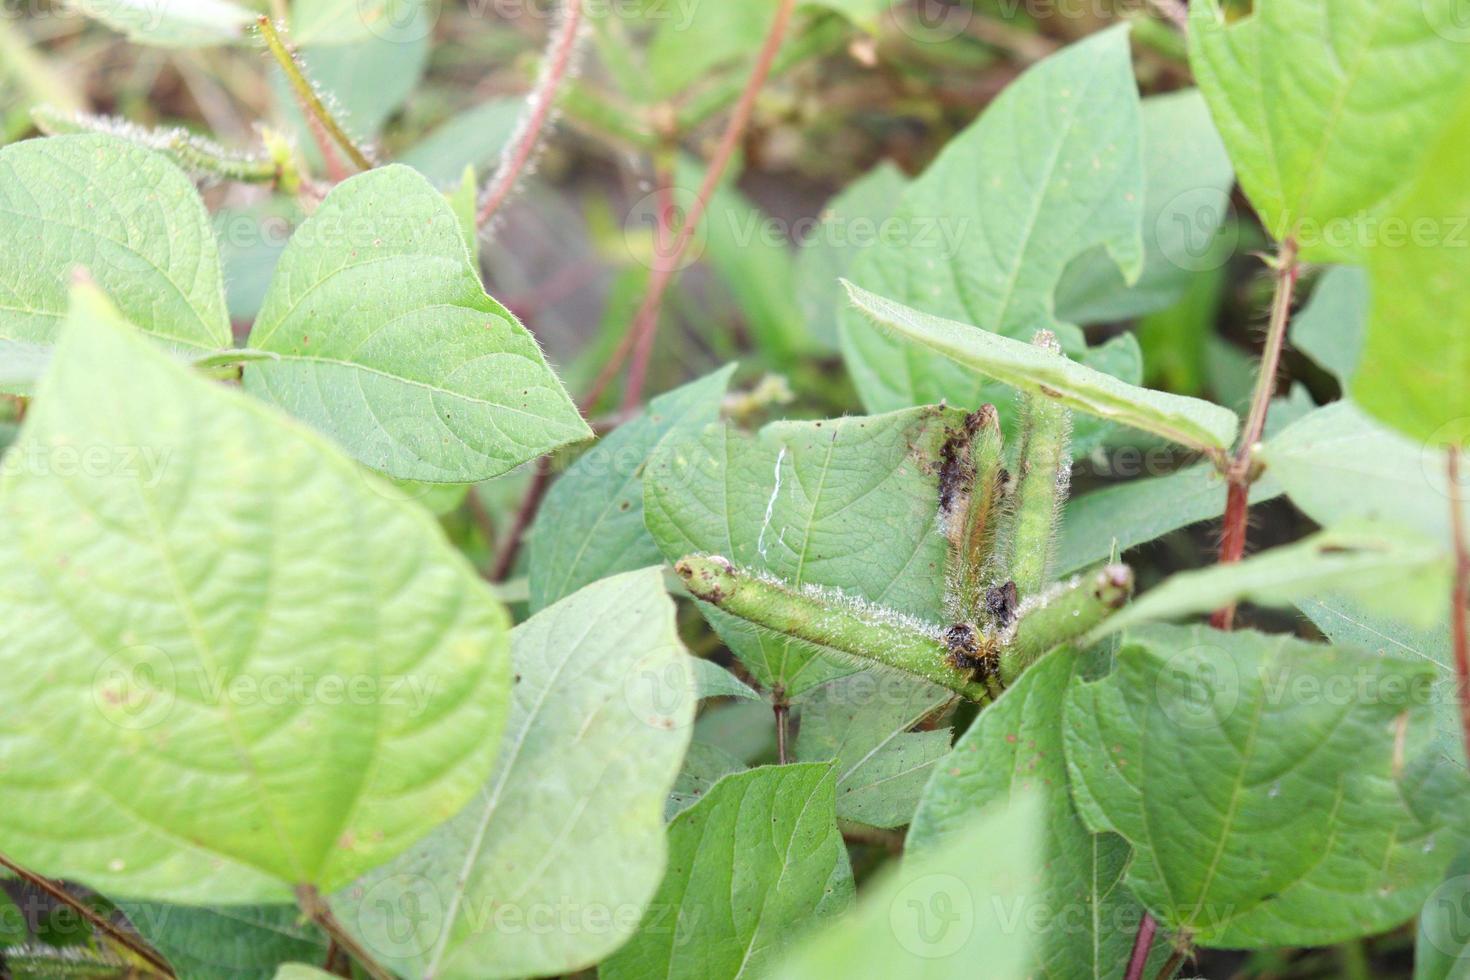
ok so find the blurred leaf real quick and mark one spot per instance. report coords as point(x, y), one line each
point(1176, 341)
point(474, 138)
point(951, 913)
point(570, 822)
point(752, 865)
point(127, 216)
point(865, 723)
point(1442, 947)
point(1126, 515)
point(591, 523)
point(1013, 754)
point(1331, 327)
point(1387, 567)
point(713, 681)
point(236, 942)
point(183, 738)
point(844, 504)
point(1050, 171)
point(1328, 107)
point(171, 23)
point(1338, 464)
point(1186, 193)
point(853, 220)
point(1256, 778)
point(1416, 358)
point(13, 928)
point(388, 343)
point(1020, 365)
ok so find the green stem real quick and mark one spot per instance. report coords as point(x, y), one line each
point(1045, 472)
point(1072, 612)
point(841, 626)
point(190, 152)
point(971, 496)
point(306, 93)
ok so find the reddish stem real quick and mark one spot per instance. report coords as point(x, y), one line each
point(505, 559)
point(559, 57)
point(1142, 943)
point(1459, 613)
point(1240, 473)
point(645, 322)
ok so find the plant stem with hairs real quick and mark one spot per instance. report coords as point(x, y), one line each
point(315, 908)
point(1240, 474)
point(557, 65)
point(306, 93)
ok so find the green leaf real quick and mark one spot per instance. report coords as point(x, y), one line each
point(234, 942)
point(300, 971)
point(845, 504)
point(1390, 568)
point(1417, 355)
point(857, 218)
point(953, 913)
point(472, 138)
point(713, 681)
point(703, 767)
point(388, 343)
point(1187, 421)
point(1256, 779)
point(1051, 171)
point(548, 870)
point(317, 23)
point(1012, 755)
point(127, 216)
point(1331, 327)
point(751, 866)
point(865, 722)
point(591, 523)
point(171, 23)
point(1125, 515)
point(1442, 947)
point(1327, 106)
point(243, 691)
point(1339, 464)
point(1187, 180)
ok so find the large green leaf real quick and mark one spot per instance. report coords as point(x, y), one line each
point(1187, 181)
point(1388, 567)
point(171, 23)
point(1052, 170)
point(1328, 107)
point(591, 523)
point(1337, 464)
point(388, 343)
point(1442, 947)
point(955, 912)
point(865, 722)
point(262, 667)
point(127, 216)
point(755, 863)
point(1021, 365)
point(1260, 780)
point(227, 942)
point(846, 504)
point(1417, 354)
point(551, 867)
point(1084, 919)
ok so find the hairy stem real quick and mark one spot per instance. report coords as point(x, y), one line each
point(317, 910)
point(971, 494)
point(99, 922)
point(1080, 606)
point(1460, 609)
point(196, 155)
point(560, 56)
point(1241, 472)
point(1045, 470)
point(645, 321)
point(832, 623)
point(306, 93)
